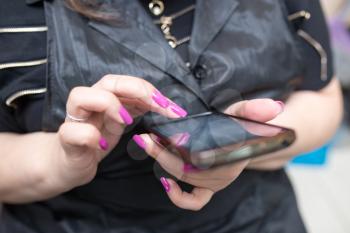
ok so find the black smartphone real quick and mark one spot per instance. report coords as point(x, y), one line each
point(213, 138)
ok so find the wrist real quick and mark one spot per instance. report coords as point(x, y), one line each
point(52, 169)
point(69, 170)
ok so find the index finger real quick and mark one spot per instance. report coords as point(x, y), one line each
point(143, 91)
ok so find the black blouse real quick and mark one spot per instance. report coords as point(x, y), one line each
point(16, 47)
point(25, 115)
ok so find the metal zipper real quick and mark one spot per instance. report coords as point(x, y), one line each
point(10, 100)
point(320, 50)
point(22, 64)
point(299, 14)
point(23, 29)
point(35, 91)
point(314, 43)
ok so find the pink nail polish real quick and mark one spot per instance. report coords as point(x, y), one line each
point(103, 144)
point(183, 139)
point(165, 184)
point(125, 116)
point(160, 99)
point(178, 110)
point(157, 139)
point(281, 104)
point(139, 141)
point(189, 168)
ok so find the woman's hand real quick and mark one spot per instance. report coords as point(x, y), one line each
point(314, 116)
point(48, 164)
point(206, 182)
point(104, 110)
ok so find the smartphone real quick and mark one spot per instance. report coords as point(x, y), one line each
point(212, 138)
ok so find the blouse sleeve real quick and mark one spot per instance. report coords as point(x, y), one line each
point(7, 120)
point(316, 28)
point(17, 47)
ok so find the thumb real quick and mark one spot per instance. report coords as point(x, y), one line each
point(262, 110)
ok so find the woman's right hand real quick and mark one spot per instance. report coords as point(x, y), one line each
point(106, 107)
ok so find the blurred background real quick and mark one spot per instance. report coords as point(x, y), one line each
point(322, 178)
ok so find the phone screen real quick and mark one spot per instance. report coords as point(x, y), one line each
point(213, 138)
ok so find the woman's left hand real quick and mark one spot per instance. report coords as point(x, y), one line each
point(206, 182)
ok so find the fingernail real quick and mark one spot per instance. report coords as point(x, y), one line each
point(160, 99)
point(281, 105)
point(103, 144)
point(189, 168)
point(183, 139)
point(139, 141)
point(178, 110)
point(125, 115)
point(165, 184)
point(157, 139)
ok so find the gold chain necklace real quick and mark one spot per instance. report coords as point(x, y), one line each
point(166, 22)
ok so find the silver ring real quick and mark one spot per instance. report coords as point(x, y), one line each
point(75, 119)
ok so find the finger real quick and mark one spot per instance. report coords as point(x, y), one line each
point(173, 164)
point(262, 110)
point(217, 177)
point(150, 98)
point(195, 200)
point(84, 101)
point(134, 106)
point(77, 136)
point(270, 163)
